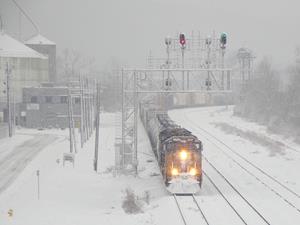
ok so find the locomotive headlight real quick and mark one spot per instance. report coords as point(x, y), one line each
point(193, 171)
point(174, 172)
point(183, 155)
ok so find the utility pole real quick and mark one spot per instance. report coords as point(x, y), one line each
point(84, 110)
point(73, 145)
point(8, 72)
point(73, 126)
point(70, 121)
point(13, 114)
point(97, 127)
point(87, 119)
point(83, 98)
point(91, 106)
point(81, 112)
point(94, 102)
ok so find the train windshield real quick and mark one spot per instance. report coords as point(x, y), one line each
point(190, 146)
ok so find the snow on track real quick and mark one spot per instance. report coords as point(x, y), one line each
point(189, 210)
point(241, 205)
point(265, 192)
point(216, 207)
point(266, 179)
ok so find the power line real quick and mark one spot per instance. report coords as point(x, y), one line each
point(27, 16)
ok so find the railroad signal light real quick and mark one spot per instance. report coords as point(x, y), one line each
point(182, 40)
point(208, 83)
point(223, 39)
point(208, 40)
point(168, 41)
point(168, 83)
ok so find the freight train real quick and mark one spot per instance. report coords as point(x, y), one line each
point(178, 151)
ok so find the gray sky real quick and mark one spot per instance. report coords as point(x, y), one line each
point(128, 29)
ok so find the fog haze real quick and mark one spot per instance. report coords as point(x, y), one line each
point(128, 30)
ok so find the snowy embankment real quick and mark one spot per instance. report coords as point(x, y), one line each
point(16, 152)
point(262, 167)
point(79, 195)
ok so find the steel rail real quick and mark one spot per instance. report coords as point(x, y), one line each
point(252, 164)
point(224, 197)
point(238, 192)
point(180, 211)
point(200, 210)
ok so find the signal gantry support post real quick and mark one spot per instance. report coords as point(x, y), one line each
point(70, 122)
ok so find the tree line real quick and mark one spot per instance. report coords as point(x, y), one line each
point(271, 97)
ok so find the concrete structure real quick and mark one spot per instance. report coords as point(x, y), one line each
point(47, 106)
point(45, 47)
point(28, 68)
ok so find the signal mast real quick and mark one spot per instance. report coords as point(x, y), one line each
point(182, 42)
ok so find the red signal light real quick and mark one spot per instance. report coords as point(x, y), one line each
point(182, 39)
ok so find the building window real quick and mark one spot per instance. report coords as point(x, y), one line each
point(48, 99)
point(63, 99)
point(77, 100)
point(33, 99)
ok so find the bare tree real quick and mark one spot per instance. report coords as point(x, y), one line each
point(261, 92)
point(293, 96)
point(71, 63)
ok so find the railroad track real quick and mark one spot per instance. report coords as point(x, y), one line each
point(254, 212)
point(276, 187)
point(189, 220)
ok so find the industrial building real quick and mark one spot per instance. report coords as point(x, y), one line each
point(48, 48)
point(47, 106)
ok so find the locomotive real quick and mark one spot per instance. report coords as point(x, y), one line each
point(178, 151)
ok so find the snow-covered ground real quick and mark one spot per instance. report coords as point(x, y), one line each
point(17, 152)
point(80, 196)
point(261, 166)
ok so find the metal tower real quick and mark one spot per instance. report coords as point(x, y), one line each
point(245, 58)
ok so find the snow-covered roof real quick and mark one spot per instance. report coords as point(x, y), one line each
point(39, 40)
point(10, 47)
